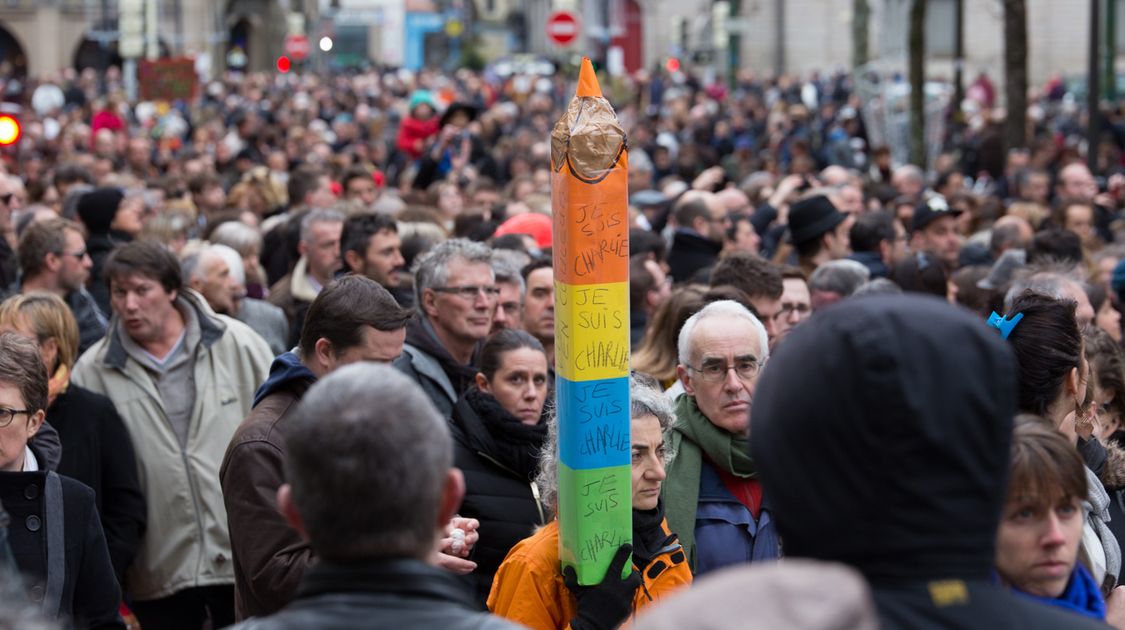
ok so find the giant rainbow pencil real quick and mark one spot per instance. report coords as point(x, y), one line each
point(589, 198)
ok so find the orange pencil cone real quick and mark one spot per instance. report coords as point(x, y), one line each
point(587, 80)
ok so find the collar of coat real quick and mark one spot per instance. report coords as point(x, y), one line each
point(211, 329)
point(396, 577)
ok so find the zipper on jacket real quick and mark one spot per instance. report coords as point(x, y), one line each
point(202, 533)
point(534, 488)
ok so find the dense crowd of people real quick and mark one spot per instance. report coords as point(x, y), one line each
point(830, 351)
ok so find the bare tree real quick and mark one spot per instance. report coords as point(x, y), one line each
point(861, 16)
point(918, 83)
point(1015, 73)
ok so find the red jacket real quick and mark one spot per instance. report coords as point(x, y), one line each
point(413, 133)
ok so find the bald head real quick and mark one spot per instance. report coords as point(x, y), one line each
point(909, 180)
point(734, 200)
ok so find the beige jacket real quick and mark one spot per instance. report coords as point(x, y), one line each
point(187, 542)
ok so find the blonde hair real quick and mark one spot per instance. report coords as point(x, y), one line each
point(49, 317)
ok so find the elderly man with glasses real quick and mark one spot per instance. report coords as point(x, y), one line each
point(712, 497)
point(455, 295)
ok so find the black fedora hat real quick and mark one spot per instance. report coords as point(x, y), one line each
point(465, 108)
point(809, 218)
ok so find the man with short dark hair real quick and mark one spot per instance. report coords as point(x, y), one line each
point(796, 301)
point(53, 258)
point(759, 279)
point(701, 222)
point(353, 319)
point(182, 378)
point(371, 247)
point(878, 242)
point(649, 287)
point(359, 185)
point(539, 304)
point(371, 485)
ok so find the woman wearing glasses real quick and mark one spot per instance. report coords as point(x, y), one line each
point(54, 532)
point(498, 431)
point(96, 446)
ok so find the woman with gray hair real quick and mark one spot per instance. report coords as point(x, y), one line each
point(530, 589)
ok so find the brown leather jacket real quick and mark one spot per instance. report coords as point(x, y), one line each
point(269, 556)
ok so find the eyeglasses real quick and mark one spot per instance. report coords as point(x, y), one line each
point(80, 254)
point(746, 369)
point(7, 415)
point(470, 292)
point(788, 309)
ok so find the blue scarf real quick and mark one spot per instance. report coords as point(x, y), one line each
point(1081, 596)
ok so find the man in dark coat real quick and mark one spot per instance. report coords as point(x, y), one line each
point(897, 464)
point(701, 221)
point(353, 319)
point(368, 438)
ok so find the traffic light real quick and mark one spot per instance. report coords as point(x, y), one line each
point(283, 64)
point(9, 130)
point(672, 65)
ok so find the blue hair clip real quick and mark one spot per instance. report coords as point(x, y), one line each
point(1003, 324)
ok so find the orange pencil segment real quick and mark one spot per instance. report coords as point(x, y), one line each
point(590, 189)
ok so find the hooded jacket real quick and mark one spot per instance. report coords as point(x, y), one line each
point(881, 429)
point(186, 544)
point(269, 556)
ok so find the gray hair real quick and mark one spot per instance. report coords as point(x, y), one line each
point(319, 215)
point(232, 258)
point(506, 266)
point(839, 276)
point(1053, 283)
point(238, 236)
point(878, 286)
point(194, 266)
point(644, 400)
point(431, 269)
point(715, 309)
point(368, 437)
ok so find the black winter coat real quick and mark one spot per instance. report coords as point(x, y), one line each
point(400, 594)
point(691, 252)
point(505, 503)
point(90, 593)
point(97, 450)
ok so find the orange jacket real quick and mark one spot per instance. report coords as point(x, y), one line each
point(529, 588)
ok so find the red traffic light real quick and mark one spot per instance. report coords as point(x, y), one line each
point(9, 130)
point(283, 64)
point(672, 65)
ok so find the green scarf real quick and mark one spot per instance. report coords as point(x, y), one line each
point(691, 436)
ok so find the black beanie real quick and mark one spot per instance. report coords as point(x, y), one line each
point(98, 207)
